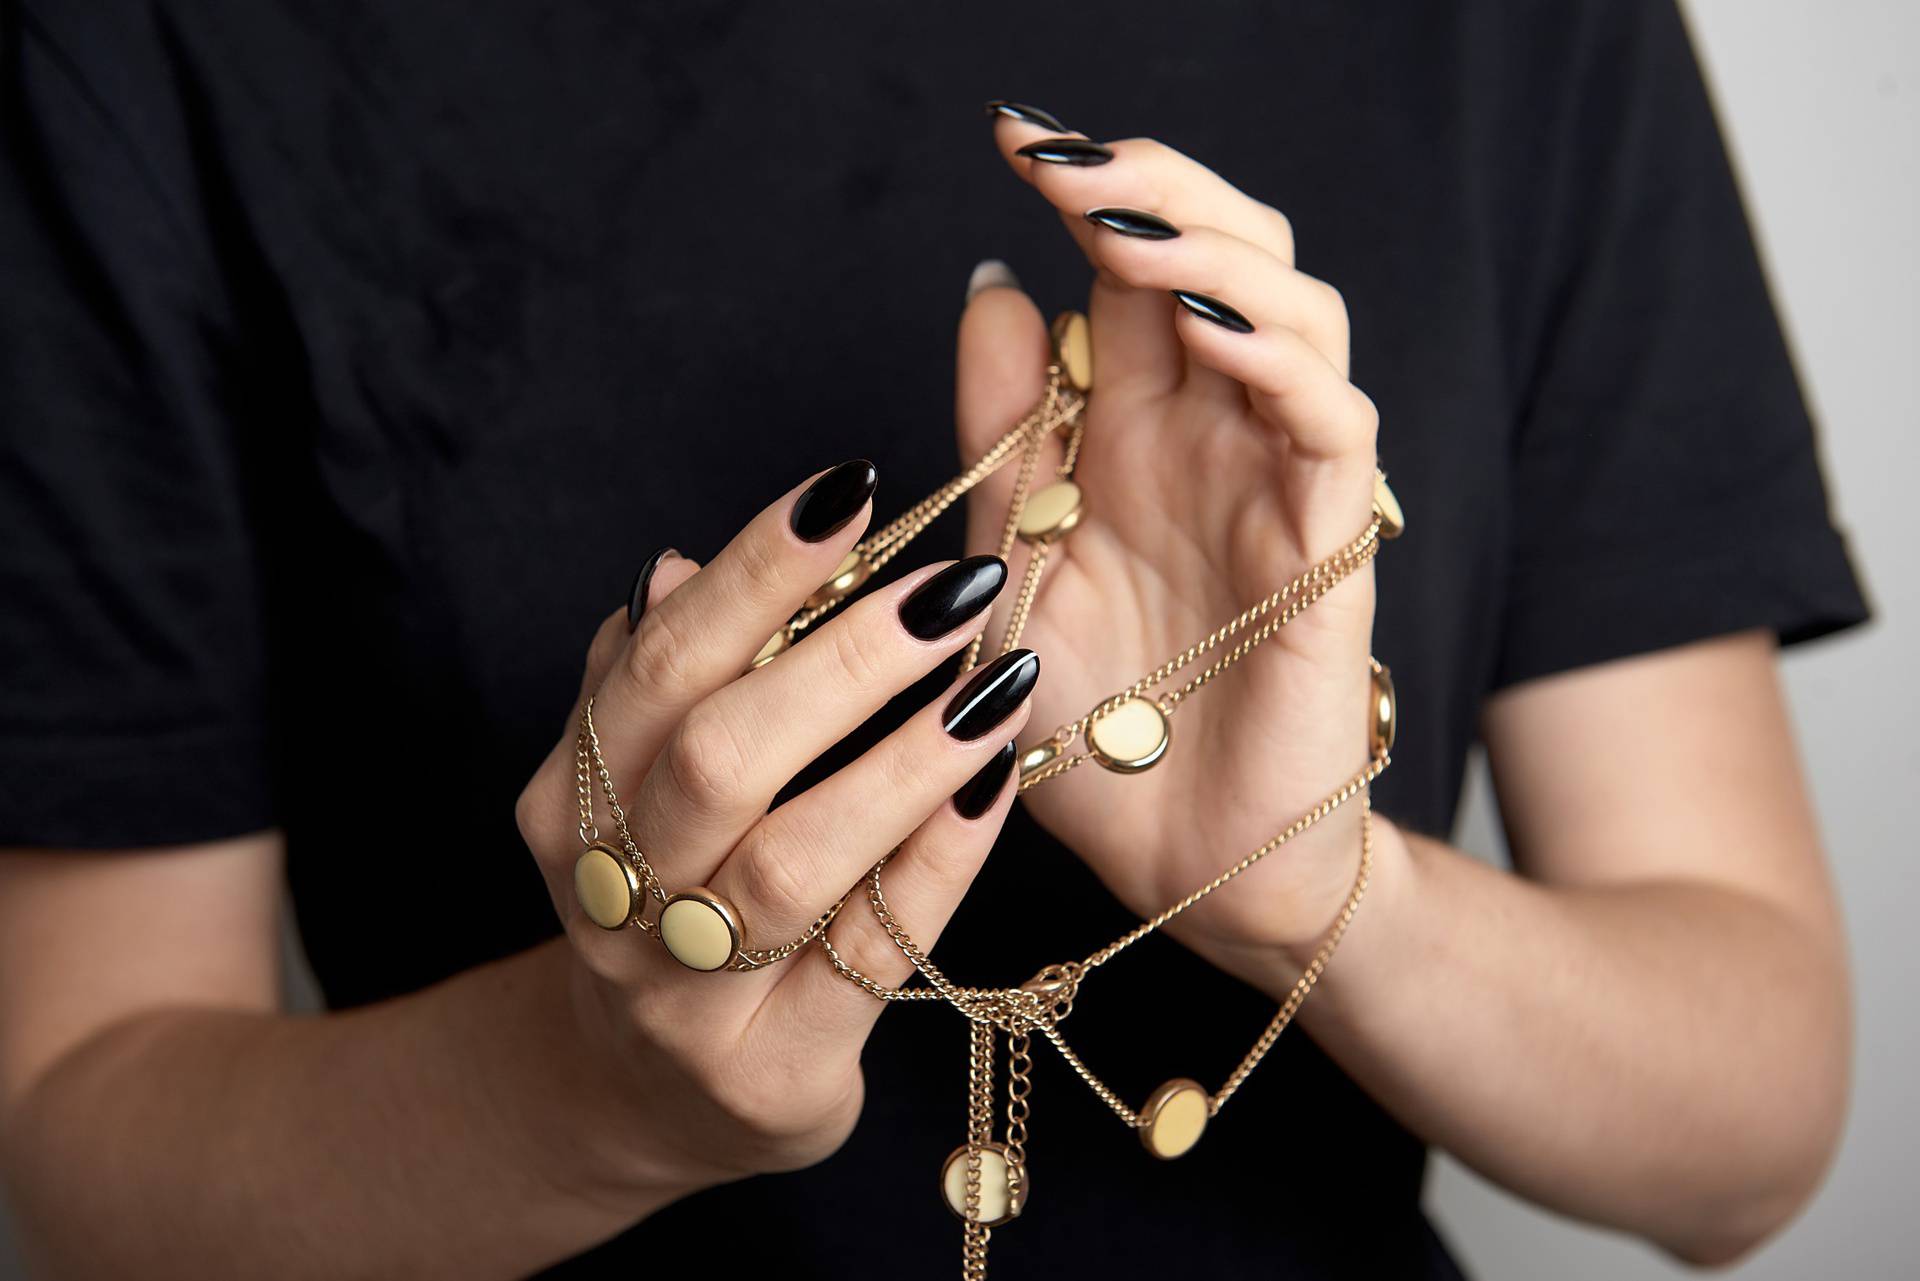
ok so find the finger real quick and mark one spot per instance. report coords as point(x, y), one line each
point(1133, 350)
point(823, 1013)
point(800, 859)
point(1137, 249)
point(657, 578)
point(723, 764)
point(708, 631)
point(1145, 174)
point(1000, 371)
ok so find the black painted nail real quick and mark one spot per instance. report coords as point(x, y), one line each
point(992, 695)
point(642, 582)
point(952, 596)
point(1213, 309)
point(1137, 223)
point(977, 795)
point(1028, 115)
point(833, 500)
point(1066, 151)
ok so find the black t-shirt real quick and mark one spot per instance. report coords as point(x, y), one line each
point(354, 355)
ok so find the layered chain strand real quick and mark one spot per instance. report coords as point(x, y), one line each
point(1037, 1007)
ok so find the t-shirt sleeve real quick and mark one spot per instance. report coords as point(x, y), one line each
point(131, 646)
point(1665, 482)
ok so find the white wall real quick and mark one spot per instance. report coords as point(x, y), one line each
point(1822, 102)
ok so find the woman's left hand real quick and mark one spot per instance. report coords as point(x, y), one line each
point(1219, 462)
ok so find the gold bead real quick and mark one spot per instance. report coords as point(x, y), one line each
point(777, 644)
point(1051, 512)
point(1073, 348)
point(1385, 721)
point(1393, 521)
point(853, 571)
point(998, 1202)
point(1038, 757)
point(700, 929)
point(1131, 737)
point(1174, 1118)
point(607, 886)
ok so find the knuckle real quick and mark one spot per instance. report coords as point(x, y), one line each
point(865, 947)
point(705, 759)
point(858, 654)
point(662, 656)
point(1330, 303)
point(1366, 417)
point(1281, 229)
point(762, 574)
point(773, 875)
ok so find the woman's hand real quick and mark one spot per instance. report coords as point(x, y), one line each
point(1222, 457)
point(727, 1074)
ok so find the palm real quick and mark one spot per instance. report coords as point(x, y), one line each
point(1175, 542)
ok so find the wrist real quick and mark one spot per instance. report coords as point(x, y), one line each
point(616, 1154)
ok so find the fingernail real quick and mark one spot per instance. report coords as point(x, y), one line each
point(642, 583)
point(977, 795)
point(1025, 114)
point(1213, 309)
point(833, 500)
point(992, 695)
point(1066, 151)
point(952, 596)
point(1137, 223)
point(991, 274)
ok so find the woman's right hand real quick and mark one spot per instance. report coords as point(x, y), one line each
point(725, 1074)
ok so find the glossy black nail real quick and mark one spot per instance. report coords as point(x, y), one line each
point(952, 596)
point(1213, 309)
point(1025, 114)
point(642, 584)
point(977, 795)
point(992, 695)
point(1137, 223)
point(1066, 151)
point(833, 500)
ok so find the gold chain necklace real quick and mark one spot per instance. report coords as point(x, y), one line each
point(985, 1181)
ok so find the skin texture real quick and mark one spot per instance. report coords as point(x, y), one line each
point(1645, 1025)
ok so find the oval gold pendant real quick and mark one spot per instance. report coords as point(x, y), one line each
point(1393, 521)
point(777, 644)
point(1174, 1118)
point(607, 886)
point(700, 929)
point(1051, 512)
point(852, 572)
point(1385, 721)
point(1073, 347)
point(1131, 737)
point(997, 1203)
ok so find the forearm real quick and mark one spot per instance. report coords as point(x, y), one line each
point(1666, 1058)
point(454, 1133)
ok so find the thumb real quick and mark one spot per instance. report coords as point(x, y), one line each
point(1000, 373)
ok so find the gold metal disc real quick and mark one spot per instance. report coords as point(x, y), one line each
point(1073, 347)
point(700, 929)
point(997, 1204)
point(852, 572)
point(1174, 1118)
point(1051, 511)
point(1131, 737)
point(1385, 721)
point(777, 644)
point(607, 886)
point(1393, 521)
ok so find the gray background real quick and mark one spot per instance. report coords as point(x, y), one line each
point(1822, 102)
point(1821, 99)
